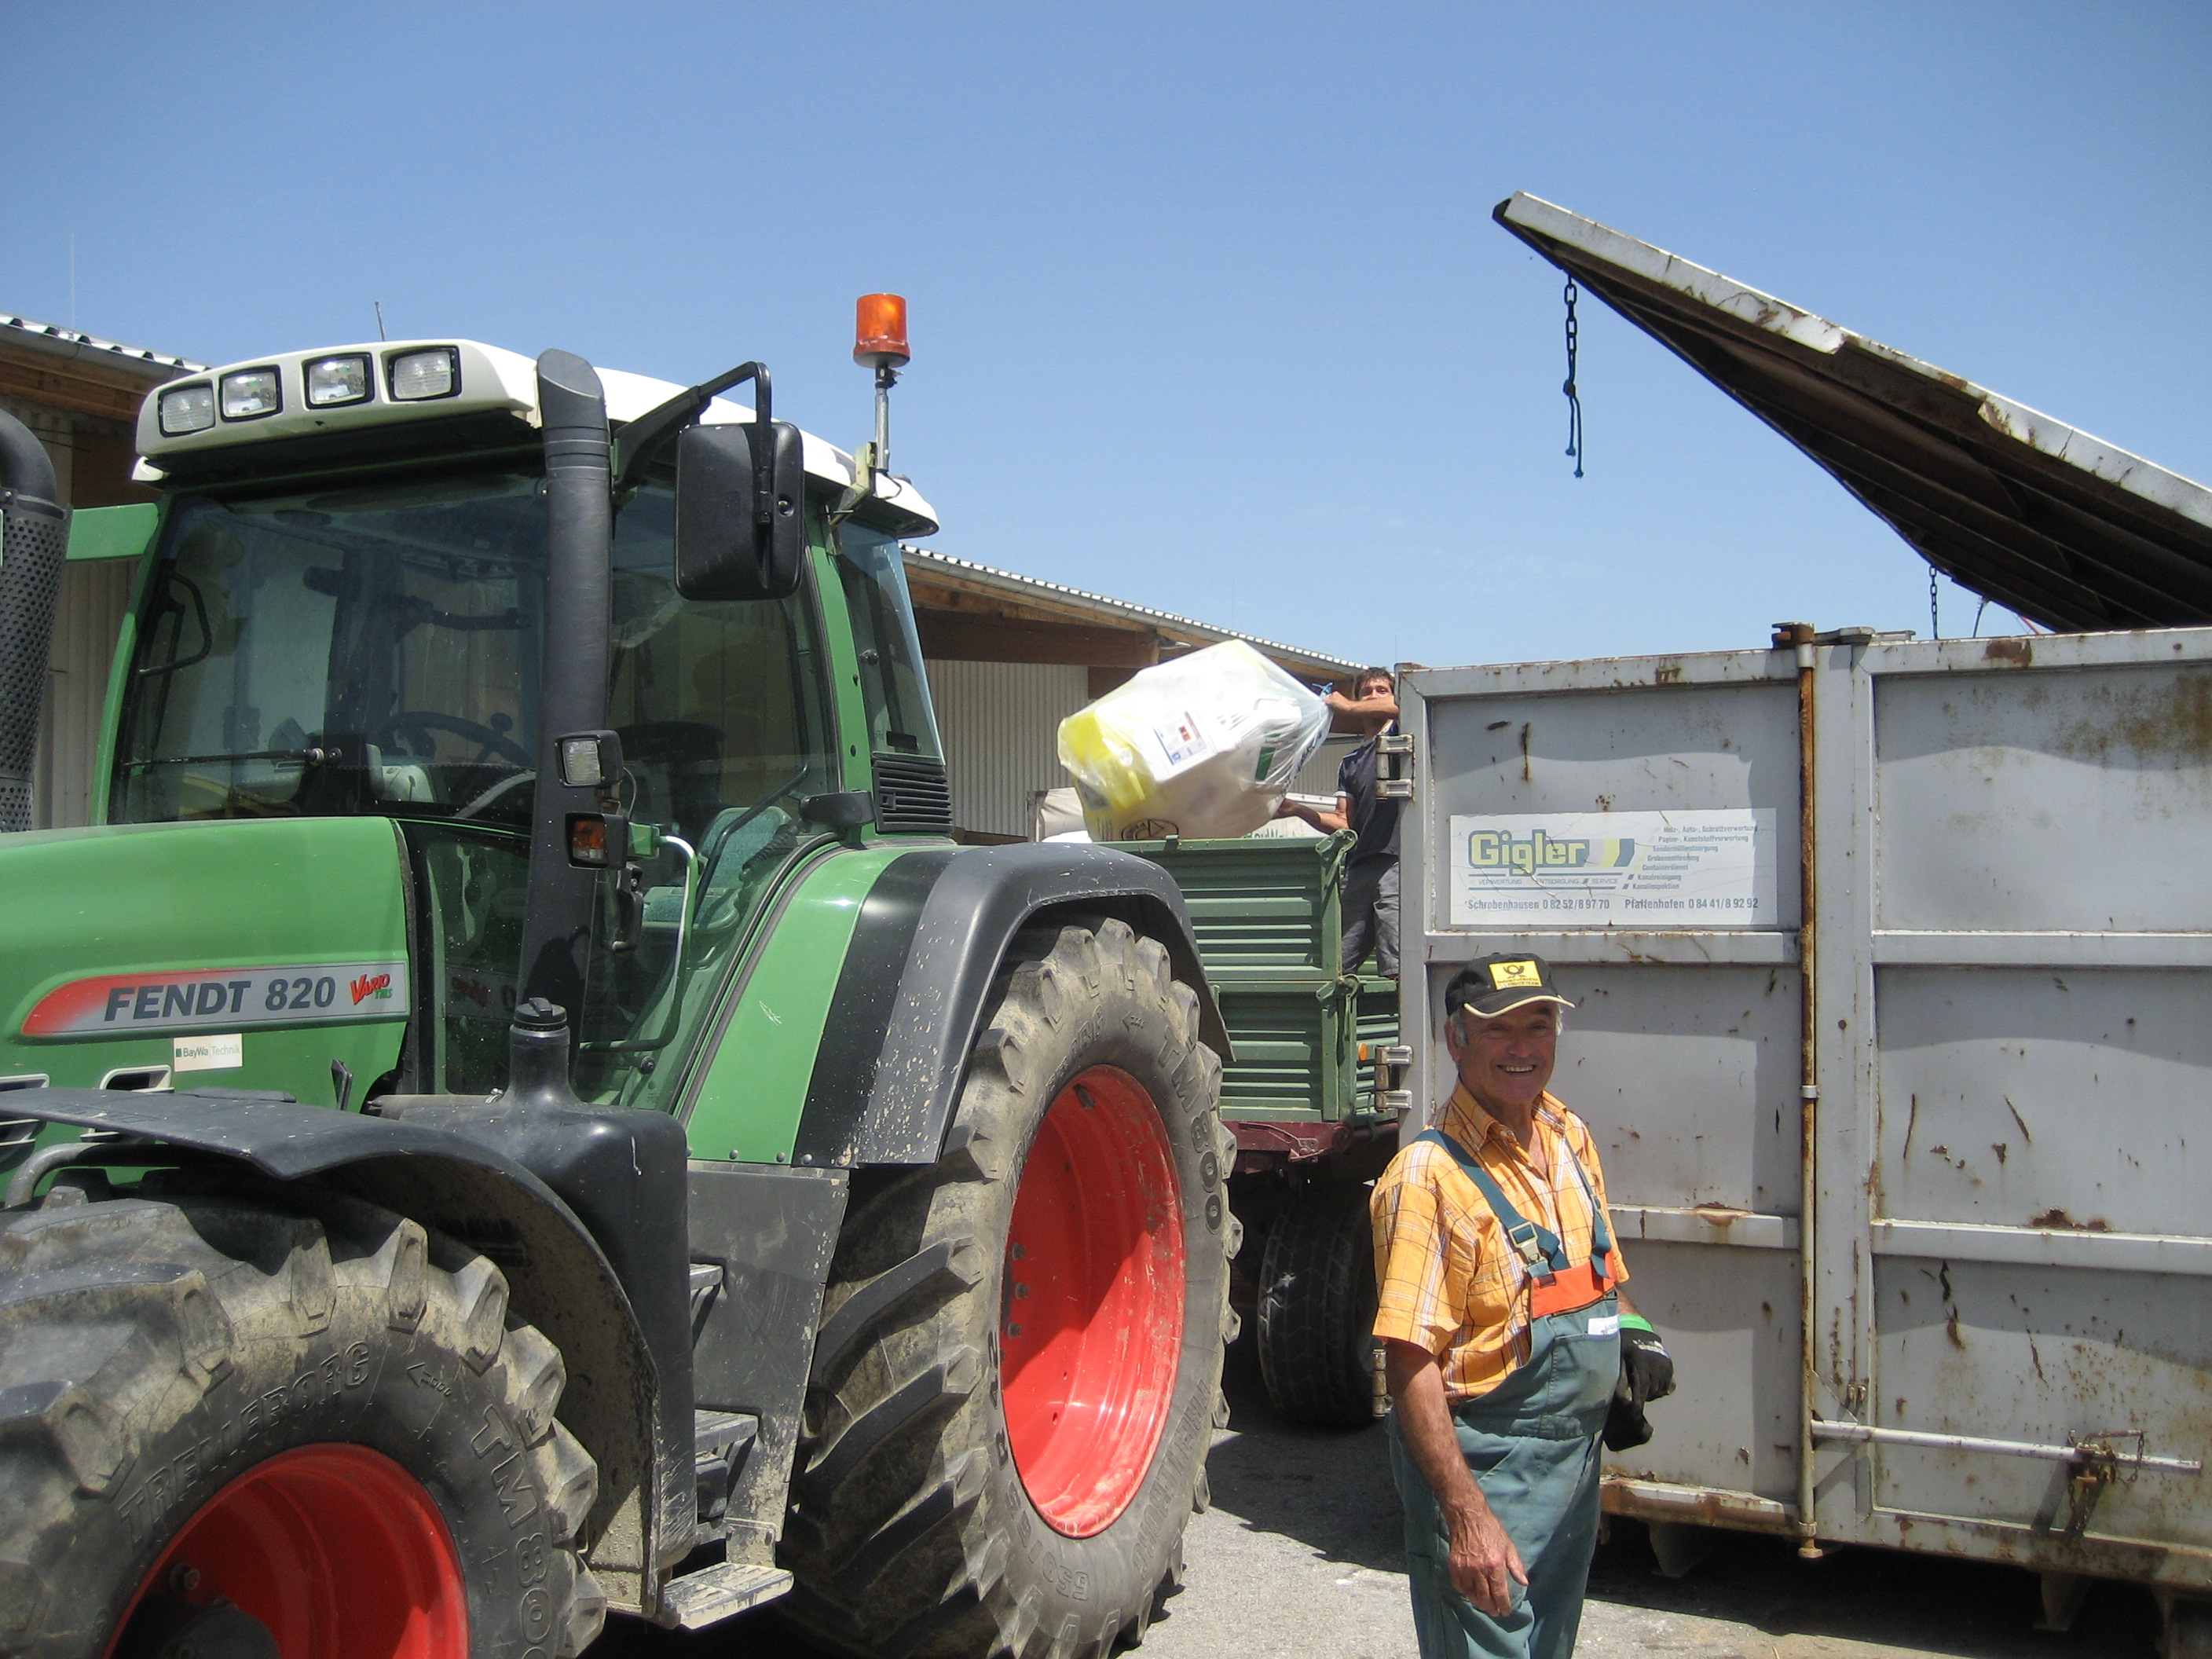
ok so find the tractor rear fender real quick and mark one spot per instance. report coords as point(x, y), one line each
point(558, 1276)
point(932, 935)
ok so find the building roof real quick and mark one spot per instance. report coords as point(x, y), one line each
point(2068, 530)
point(51, 339)
point(937, 576)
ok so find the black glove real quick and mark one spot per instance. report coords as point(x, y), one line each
point(1647, 1373)
point(1645, 1362)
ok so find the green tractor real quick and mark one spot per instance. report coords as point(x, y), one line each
point(518, 1107)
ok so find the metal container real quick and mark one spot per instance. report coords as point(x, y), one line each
point(1901, 950)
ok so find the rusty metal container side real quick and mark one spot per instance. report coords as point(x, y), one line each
point(2011, 1258)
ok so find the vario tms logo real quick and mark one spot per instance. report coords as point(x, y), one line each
point(1501, 850)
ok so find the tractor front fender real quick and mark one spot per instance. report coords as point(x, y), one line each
point(558, 1277)
point(932, 935)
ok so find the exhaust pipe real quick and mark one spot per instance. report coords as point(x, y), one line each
point(33, 541)
point(556, 928)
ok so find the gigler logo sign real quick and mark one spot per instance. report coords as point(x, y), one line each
point(1710, 867)
point(1500, 850)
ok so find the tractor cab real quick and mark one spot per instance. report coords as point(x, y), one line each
point(346, 615)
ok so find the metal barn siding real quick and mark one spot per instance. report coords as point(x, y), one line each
point(95, 595)
point(1000, 725)
point(1996, 1080)
point(1318, 775)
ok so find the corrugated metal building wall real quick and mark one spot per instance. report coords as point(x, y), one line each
point(93, 598)
point(1000, 725)
point(80, 394)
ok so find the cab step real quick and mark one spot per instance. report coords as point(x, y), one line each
point(723, 1591)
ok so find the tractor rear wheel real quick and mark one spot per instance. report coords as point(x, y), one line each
point(1018, 1370)
point(281, 1423)
point(1317, 1309)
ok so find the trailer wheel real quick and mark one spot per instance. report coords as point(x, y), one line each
point(1317, 1309)
point(1018, 1370)
point(297, 1425)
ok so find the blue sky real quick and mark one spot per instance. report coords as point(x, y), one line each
point(1209, 311)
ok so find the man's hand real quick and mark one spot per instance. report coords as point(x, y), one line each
point(1485, 1565)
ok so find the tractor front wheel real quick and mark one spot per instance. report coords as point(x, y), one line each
point(1018, 1370)
point(277, 1423)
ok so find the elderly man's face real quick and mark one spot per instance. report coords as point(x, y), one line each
point(1505, 1061)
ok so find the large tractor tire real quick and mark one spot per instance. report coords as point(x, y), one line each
point(1018, 1370)
point(271, 1424)
point(1317, 1309)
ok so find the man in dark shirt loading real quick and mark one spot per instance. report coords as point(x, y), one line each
point(1370, 875)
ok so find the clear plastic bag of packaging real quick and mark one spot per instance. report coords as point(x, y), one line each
point(1204, 746)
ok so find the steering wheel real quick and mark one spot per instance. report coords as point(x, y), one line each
point(489, 739)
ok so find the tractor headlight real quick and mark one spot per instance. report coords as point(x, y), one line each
point(187, 409)
point(418, 376)
point(251, 393)
point(335, 380)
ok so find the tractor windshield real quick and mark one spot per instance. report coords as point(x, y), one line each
point(376, 650)
point(357, 651)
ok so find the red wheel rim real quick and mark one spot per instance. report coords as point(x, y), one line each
point(1093, 1302)
point(335, 1549)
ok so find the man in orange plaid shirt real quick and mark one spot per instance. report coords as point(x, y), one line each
point(1508, 1340)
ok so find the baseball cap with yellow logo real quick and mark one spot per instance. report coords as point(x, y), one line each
point(1494, 985)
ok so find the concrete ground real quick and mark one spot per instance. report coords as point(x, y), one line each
point(1302, 1558)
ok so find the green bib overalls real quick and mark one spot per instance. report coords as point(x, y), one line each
point(1532, 1446)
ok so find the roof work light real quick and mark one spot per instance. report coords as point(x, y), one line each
point(248, 394)
point(419, 376)
point(187, 409)
point(879, 343)
point(340, 380)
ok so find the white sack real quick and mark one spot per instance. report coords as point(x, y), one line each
point(1202, 747)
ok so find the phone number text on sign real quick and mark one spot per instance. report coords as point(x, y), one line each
point(1704, 869)
point(228, 997)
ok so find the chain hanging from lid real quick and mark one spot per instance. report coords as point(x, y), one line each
point(1574, 399)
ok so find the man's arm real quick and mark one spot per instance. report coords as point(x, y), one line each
point(1485, 1565)
point(1377, 703)
point(1328, 823)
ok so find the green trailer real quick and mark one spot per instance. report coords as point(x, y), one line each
point(517, 1107)
point(1313, 1097)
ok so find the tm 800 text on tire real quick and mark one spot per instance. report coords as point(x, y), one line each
point(282, 1423)
point(1018, 1370)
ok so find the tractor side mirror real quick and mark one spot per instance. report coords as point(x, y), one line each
point(741, 511)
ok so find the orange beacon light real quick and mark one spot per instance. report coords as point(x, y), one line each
point(880, 332)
